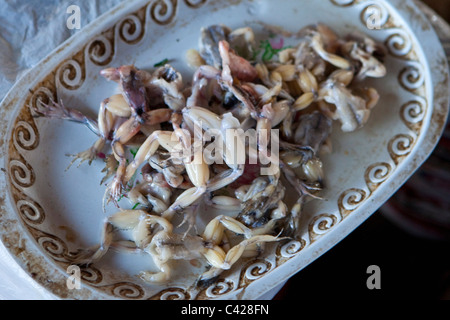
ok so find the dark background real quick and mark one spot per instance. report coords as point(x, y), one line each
point(442, 7)
point(412, 266)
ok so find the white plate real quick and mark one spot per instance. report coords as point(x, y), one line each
point(48, 212)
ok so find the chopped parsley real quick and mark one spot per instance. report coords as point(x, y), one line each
point(134, 152)
point(135, 206)
point(161, 63)
point(268, 50)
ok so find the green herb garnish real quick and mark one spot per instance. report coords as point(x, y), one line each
point(135, 206)
point(161, 63)
point(134, 152)
point(268, 51)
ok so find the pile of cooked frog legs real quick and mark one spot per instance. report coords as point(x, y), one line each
point(298, 94)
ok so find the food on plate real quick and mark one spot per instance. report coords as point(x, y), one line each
point(251, 124)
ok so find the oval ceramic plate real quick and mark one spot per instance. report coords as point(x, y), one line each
point(48, 212)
